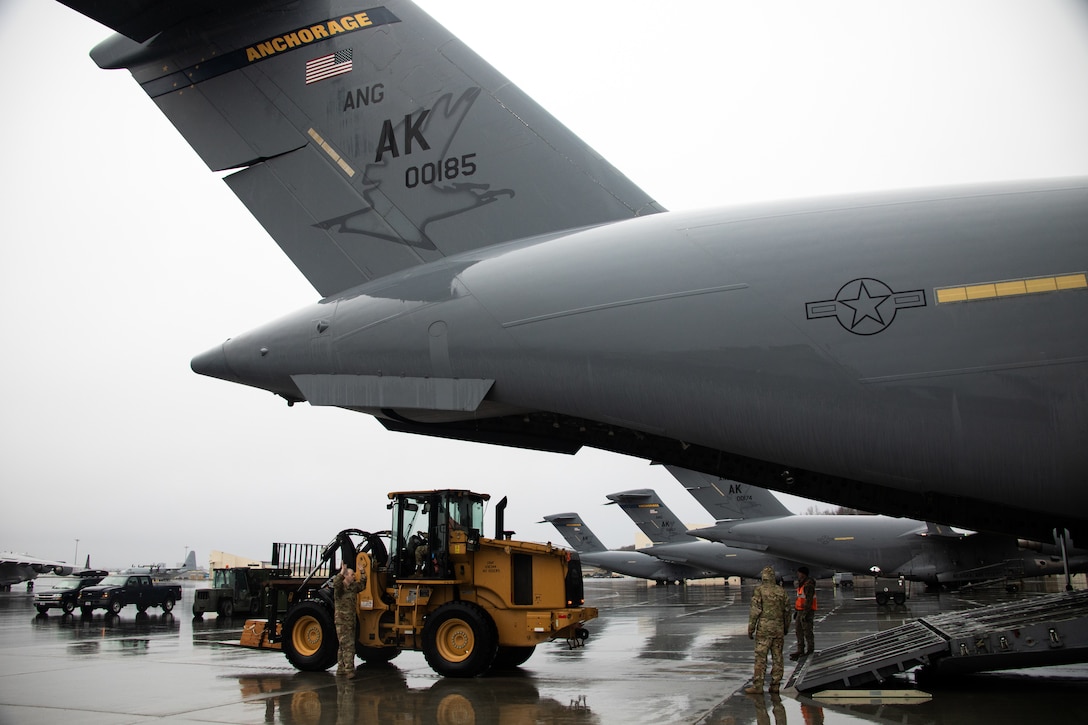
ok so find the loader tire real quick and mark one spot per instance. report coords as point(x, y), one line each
point(376, 655)
point(459, 640)
point(507, 658)
point(309, 639)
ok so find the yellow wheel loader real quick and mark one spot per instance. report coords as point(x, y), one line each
point(434, 584)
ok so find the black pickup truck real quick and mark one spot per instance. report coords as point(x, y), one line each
point(115, 592)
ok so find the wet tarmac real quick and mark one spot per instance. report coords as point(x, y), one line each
point(656, 655)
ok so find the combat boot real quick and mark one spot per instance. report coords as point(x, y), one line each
point(754, 689)
point(773, 689)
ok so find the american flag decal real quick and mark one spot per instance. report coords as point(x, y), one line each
point(327, 66)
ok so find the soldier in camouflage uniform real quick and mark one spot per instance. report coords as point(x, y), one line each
point(768, 622)
point(346, 587)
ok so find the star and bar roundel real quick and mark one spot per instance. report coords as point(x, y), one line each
point(865, 306)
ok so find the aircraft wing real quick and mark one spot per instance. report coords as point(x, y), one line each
point(391, 147)
point(39, 565)
point(15, 568)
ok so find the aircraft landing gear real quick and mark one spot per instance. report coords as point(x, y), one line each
point(1060, 538)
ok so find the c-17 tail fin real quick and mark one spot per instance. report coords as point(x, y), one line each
point(577, 534)
point(368, 139)
point(724, 499)
point(653, 518)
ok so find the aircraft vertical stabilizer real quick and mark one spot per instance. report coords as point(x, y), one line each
point(368, 139)
point(652, 517)
point(724, 499)
point(577, 534)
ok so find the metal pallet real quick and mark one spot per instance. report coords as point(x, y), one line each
point(1040, 631)
point(301, 559)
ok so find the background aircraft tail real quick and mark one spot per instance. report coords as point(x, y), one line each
point(368, 139)
point(652, 517)
point(577, 534)
point(190, 562)
point(724, 499)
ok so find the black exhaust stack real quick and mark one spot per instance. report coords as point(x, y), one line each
point(500, 514)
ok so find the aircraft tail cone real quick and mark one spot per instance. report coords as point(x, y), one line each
point(213, 363)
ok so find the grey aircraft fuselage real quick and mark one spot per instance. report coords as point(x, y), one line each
point(920, 353)
point(727, 560)
point(641, 565)
point(674, 541)
point(487, 276)
point(591, 550)
point(895, 547)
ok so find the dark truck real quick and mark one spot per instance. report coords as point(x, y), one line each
point(65, 592)
point(119, 590)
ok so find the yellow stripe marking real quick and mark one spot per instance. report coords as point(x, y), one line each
point(1072, 281)
point(1012, 288)
point(332, 153)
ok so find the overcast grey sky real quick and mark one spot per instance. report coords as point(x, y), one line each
point(123, 256)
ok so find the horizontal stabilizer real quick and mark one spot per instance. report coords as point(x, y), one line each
point(141, 20)
point(384, 391)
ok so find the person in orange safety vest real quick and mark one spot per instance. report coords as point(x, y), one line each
point(804, 613)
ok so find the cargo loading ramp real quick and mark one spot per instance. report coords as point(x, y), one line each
point(1035, 632)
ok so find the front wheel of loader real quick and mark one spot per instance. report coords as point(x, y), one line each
point(459, 640)
point(309, 637)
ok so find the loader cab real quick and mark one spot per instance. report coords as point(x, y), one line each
point(430, 525)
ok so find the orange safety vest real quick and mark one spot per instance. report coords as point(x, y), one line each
point(799, 603)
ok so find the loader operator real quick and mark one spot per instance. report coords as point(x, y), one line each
point(346, 587)
point(417, 544)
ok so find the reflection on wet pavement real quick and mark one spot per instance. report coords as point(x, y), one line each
point(655, 655)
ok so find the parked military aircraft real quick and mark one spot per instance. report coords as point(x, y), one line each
point(486, 276)
point(161, 571)
point(673, 541)
point(16, 568)
point(630, 563)
point(916, 550)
